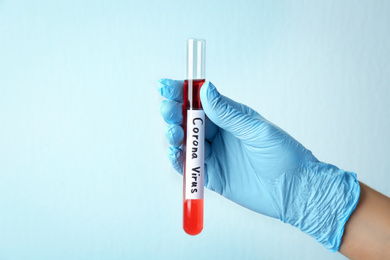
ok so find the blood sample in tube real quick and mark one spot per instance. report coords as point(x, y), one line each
point(194, 120)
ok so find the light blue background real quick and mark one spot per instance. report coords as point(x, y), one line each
point(83, 170)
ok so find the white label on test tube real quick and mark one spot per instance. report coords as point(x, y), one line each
point(195, 154)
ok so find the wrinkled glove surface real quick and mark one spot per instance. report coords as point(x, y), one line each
point(256, 164)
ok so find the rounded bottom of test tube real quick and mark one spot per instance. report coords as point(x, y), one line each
point(193, 217)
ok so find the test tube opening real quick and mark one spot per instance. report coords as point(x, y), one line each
point(195, 59)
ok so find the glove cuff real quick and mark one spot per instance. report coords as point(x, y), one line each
point(319, 201)
point(335, 214)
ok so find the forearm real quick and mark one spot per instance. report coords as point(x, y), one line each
point(367, 232)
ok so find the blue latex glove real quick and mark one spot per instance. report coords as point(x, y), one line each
point(256, 164)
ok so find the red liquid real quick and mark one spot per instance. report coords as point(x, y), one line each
point(192, 208)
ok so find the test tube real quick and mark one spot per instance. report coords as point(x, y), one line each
point(194, 137)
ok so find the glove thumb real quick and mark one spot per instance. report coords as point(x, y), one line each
point(224, 113)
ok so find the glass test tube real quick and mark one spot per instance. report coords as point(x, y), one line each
point(194, 137)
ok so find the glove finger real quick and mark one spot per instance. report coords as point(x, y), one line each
point(211, 130)
point(241, 107)
point(175, 155)
point(171, 111)
point(207, 151)
point(233, 120)
point(171, 89)
point(174, 134)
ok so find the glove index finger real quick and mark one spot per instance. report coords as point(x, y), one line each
point(171, 89)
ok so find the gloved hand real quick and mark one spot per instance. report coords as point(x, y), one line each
point(256, 164)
